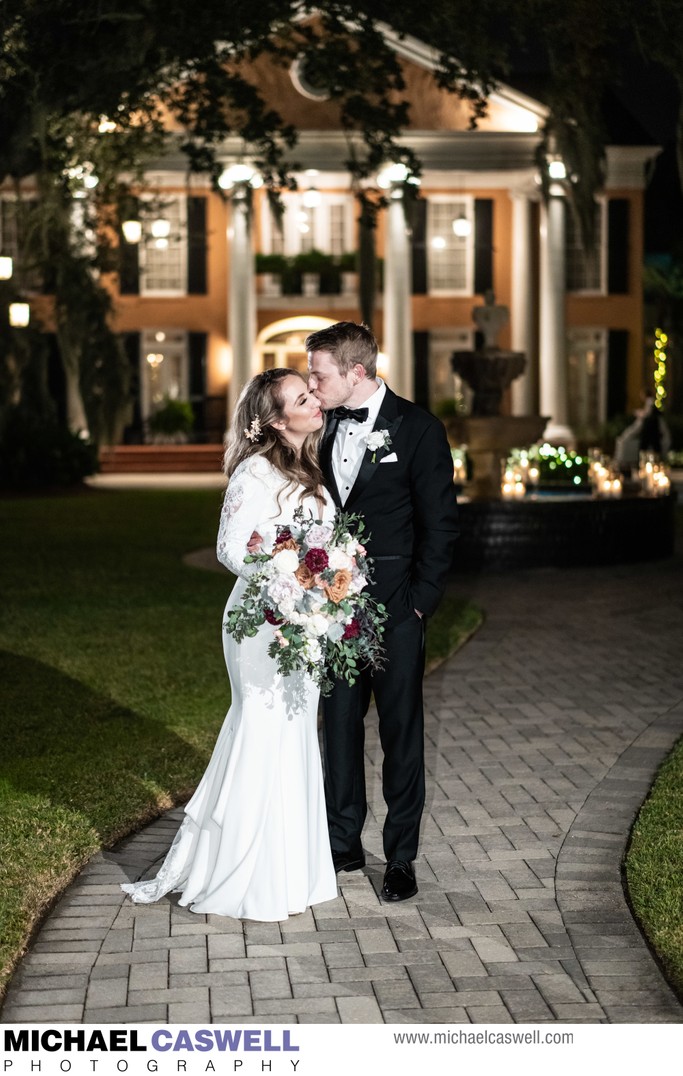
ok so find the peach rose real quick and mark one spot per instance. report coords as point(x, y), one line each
point(290, 543)
point(339, 587)
point(305, 576)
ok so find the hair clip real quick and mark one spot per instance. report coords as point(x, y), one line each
point(253, 434)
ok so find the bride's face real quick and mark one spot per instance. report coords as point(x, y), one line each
point(301, 413)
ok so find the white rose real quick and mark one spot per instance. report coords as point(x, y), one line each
point(284, 591)
point(286, 561)
point(358, 582)
point(339, 560)
point(317, 625)
point(312, 650)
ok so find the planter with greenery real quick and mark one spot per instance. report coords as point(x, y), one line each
point(291, 270)
point(172, 423)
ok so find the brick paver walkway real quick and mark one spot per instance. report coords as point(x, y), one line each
point(543, 735)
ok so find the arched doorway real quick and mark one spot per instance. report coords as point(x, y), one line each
point(282, 342)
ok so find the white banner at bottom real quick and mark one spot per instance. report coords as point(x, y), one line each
point(331, 1049)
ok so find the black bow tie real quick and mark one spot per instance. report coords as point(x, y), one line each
point(358, 414)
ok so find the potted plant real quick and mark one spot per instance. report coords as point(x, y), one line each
point(172, 422)
point(316, 269)
point(272, 268)
point(348, 267)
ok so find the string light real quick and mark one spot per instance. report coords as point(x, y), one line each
point(661, 340)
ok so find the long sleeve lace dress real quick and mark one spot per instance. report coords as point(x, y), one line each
point(254, 841)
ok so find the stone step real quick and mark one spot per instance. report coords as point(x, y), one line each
point(156, 459)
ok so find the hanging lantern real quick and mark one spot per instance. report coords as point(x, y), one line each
point(161, 228)
point(462, 227)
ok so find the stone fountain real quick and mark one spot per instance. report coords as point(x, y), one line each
point(489, 370)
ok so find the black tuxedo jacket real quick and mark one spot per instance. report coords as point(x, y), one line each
point(409, 507)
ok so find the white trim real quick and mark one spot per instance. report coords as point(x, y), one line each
point(411, 48)
point(298, 80)
point(627, 165)
point(505, 151)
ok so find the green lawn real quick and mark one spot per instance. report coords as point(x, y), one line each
point(654, 867)
point(654, 859)
point(113, 680)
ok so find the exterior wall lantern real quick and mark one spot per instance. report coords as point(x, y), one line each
point(132, 231)
point(19, 315)
point(240, 175)
point(556, 168)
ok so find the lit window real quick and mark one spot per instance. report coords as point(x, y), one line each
point(327, 227)
point(163, 258)
point(585, 270)
point(449, 256)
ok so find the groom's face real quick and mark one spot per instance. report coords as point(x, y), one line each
point(331, 387)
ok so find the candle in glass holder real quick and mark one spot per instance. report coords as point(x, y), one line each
point(662, 483)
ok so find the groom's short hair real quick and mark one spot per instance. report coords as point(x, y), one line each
point(348, 343)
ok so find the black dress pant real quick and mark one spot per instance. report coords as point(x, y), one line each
point(398, 696)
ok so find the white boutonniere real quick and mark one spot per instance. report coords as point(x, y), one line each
point(376, 440)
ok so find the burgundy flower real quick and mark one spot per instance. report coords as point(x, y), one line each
point(317, 560)
point(352, 630)
point(272, 618)
point(284, 535)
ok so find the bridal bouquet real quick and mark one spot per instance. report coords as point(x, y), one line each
point(312, 588)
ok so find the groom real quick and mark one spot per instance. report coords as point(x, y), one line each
point(401, 480)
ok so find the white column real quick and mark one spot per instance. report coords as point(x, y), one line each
point(398, 322)
point(522, 304)
point(241, 301)
point(552, 329)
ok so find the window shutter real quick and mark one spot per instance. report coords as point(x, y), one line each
point(196, 343)
point(133, 433)
point(483, 245)
point(197, 352)
point(617, 364)
point(196, 246)
point(129, 263)
point(421, 373)
point(419, 239)
point(56, 381)
point(618, 246)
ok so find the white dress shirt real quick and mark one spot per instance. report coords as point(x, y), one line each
point(349, 443)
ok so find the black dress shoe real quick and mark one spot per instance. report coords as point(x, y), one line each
point(399, 880)
point(348, 861)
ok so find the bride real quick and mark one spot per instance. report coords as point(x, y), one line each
point(254, 841)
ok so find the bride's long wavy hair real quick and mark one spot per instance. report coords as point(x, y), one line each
point(259, 406)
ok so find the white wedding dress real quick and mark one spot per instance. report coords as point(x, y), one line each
point(254, 841)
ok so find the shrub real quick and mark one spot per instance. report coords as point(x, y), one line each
point(173, 417)
point(38, 452)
